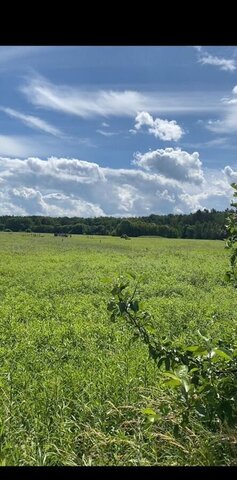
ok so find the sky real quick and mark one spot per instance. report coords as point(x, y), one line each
point(117, 131)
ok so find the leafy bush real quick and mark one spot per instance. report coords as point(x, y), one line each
point(231, 242)
point(203, 374)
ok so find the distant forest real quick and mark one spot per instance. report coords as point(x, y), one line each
point(201, 224)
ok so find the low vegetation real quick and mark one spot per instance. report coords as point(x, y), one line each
point(76, 389)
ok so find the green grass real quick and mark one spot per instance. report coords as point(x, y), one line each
point(71, 385)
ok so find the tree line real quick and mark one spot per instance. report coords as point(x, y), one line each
point(203, 224)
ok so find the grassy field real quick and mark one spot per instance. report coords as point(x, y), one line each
point(72, 385)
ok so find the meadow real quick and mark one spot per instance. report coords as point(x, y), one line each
point(73, 387)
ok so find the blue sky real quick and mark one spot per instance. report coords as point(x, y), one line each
point(124, 131)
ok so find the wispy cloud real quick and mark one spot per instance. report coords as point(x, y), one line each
point(164, 129)
point(226, 64)
point(8, 54)
point(197, 47)
point(219, 141)
point(106, 134)
point(13, 145)
point(89, 104)
point(231, 100)
point(33, 122)
point(223, 63)
point(228, 121)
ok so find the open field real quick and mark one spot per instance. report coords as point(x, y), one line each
point(72, 386)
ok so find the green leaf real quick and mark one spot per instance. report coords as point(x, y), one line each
point(132, 275)
point(192, 348)
point(153, 418)
point(151, 415)
point(142, 305)
point(227, 276)
point(105, 280)
point(222, 353)
point(204, 388)
point(173, 383)
point(172, 375)
point(151, 329)
point(186, 385)
point(148, 411)
point(201, 351)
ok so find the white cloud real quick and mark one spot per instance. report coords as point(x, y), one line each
point(17, 146)
point(82, 103)
point(225, 64)
point(87, 104)
point(231, 100)
point(219, 141)
point(172, 163)
point(106, 134)
point(24, 146)
point(163, 129)
point(10, 53)
point(197, 47)
point(73, 187)
point(54, 204)
point(228, 121)
point(33, 122)
point(230, 173)
point(227, 125)
point(105, 125)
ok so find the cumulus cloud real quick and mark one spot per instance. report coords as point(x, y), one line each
point(54, 204)
point(172, 163)
point(33, 122)
point(226, 64)
point(163, 129)
point(230, 173)
point(73, 187)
